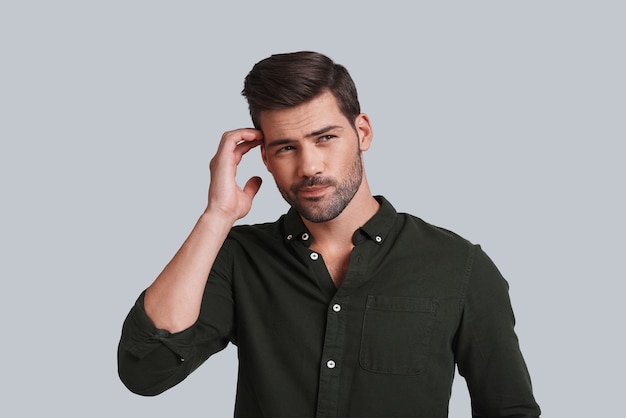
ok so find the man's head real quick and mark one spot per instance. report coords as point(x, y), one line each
point(313, 131)
point(288, 80)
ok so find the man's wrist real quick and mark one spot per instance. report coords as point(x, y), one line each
point(217, 221)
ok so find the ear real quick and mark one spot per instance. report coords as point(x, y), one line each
point(257, 125)
point(364, 131)
point(264, 157)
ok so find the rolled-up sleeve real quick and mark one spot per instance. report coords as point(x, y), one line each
point(152, 360)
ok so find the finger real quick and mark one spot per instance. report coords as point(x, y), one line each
point(249, 134)
point(252, 186)
point(237, 143)
point(233, 138)
point(244, 147)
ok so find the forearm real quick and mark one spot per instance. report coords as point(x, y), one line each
point(173, 300)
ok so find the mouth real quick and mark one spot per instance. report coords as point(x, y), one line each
point(312, 191)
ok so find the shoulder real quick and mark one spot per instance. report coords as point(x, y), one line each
point(430, 233)
point(263, 234)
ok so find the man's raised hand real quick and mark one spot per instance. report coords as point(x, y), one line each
point(225, 195)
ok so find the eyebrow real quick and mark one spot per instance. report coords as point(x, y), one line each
point(286, 141)
point(323, 130)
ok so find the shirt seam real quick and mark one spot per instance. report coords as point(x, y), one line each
point(466, 277)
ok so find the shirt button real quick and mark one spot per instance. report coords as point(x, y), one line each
point(378, 238)
point(314, 256)
point(305, 236)
point(330, 364)
point(289, 237)
point(336, 307)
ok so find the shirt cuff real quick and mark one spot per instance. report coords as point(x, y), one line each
point(140, 336)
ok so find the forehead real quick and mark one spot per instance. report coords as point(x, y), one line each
point(303, 119)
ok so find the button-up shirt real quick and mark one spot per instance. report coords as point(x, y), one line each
point(417, 301)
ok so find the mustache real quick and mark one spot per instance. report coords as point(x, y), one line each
point(314, 181)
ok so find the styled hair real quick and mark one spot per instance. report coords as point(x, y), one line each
point(287, 80)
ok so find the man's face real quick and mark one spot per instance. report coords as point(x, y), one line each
point(314, 154)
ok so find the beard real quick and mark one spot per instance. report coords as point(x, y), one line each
point(326, 208)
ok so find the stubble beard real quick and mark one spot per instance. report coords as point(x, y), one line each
point(326, 208)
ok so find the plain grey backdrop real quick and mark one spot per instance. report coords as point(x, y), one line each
point(501, 120)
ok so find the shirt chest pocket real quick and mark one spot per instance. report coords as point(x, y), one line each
point(396, 334)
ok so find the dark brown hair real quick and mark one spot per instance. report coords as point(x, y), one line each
point(291, 79)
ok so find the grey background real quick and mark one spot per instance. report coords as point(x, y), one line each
point(500, 120)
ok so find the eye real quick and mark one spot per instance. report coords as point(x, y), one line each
point(325, 138)
point(284, 149)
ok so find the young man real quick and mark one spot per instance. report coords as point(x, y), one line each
point(342, 307)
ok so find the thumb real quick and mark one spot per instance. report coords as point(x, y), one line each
point(252, 186)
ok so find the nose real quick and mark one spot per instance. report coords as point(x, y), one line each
point(310, 161)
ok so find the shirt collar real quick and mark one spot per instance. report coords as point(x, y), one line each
point(376, 229)
point(379, 225)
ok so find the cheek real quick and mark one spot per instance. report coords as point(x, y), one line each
point(276, 169)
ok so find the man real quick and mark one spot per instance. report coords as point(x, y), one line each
point(342, 307)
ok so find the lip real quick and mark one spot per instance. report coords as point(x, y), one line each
point(314, 191)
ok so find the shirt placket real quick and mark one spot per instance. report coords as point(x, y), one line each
point(335, 337)
point(332, 356)
point(331, 363)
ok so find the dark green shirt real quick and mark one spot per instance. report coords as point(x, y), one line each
point(416, 301)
